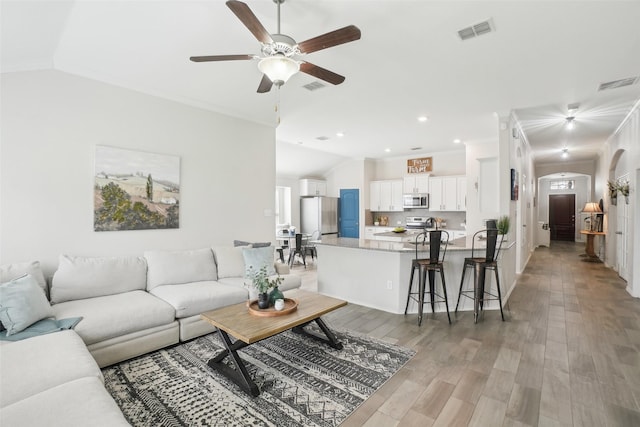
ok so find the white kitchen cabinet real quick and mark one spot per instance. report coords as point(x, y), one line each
point(461, 193)
point(416, 184)
point(445, 194)
point(313, 187)
point(386, 196)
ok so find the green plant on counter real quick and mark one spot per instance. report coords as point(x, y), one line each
point(503, 224)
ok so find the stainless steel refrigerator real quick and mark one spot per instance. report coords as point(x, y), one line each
point(319, 213)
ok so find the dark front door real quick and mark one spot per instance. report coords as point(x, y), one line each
point(349, 212)
point(562, 217)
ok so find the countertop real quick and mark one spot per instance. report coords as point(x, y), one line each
point(381, 245)
point(459, 244)
point(411, 232)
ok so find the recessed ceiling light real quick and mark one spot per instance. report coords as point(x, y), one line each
point(387, 150)
point(457, 141)
point(340, 134)
point(423, 118)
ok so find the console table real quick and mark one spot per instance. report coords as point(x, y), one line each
point(590, 236)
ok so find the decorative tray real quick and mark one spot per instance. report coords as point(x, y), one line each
point(290, 305)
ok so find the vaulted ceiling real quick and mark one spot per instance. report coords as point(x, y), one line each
point(538, 58)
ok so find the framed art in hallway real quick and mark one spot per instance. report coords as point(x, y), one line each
point(135, 190)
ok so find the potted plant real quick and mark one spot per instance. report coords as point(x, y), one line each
point(613, 192)
point(623, 188)
point(503, 224)
point(262, 283)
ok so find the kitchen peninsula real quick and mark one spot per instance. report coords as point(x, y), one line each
point(376, 273)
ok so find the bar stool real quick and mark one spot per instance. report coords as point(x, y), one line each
point(431, 265)
point(480, 266)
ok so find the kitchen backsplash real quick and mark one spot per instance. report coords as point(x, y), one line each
point(452, 219)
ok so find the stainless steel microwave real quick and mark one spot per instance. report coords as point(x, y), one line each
point(416, 200)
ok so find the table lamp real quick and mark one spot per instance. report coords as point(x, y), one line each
point(591, 207)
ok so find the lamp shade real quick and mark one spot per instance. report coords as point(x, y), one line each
point(591, 207)
point(278, 68)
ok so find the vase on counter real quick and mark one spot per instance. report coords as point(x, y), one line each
point(263, 300)
point(274, 295)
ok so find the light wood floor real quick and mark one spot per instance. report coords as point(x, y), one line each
point(568, 354)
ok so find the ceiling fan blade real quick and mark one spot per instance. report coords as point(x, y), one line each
point(334, 38)
point(221, 58)
point(265, 84)
point(242, 11)
point(321, 73)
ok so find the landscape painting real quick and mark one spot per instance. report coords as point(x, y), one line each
point(134, 190)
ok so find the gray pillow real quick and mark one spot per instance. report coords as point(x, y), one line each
point(255, 245)
point(22, 303)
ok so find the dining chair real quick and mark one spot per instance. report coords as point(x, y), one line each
point(480, 265)
point(310, 247)
point(297, 250)
point(438, 241)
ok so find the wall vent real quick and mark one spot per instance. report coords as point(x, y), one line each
point(322, 138)
point(415, 148)
point(618, 83)
point(476, 30)
point(313, 86)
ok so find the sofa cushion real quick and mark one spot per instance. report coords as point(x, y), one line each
point(80, 402)
point(177, 267)
point(13, 271)
point(289, 281)
point(197, 297)
point(230, 261)
point(256, 258)
point(22, 303)
point(115, 315)
point(40, 363)
point(88, 277)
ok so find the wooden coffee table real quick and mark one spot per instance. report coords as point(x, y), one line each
point(235, 320)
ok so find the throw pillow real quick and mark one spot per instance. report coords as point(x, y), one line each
point(254, 245)
point(256, 258)
point(22, 303)
point(13, 271)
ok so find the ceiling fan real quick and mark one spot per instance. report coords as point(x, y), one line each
point(278, 63)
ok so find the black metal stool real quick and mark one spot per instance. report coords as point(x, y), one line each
point(480, 266)
point(429, 265)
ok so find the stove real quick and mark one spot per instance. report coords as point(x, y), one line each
point(419, 222)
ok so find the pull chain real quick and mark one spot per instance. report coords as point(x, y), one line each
point(277, 106)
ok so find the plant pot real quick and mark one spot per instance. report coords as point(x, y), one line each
point(274, 295)
point(263, 300)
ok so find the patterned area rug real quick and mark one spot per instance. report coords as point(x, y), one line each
point(302, 382)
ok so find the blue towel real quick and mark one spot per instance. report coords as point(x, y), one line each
point(41, 327)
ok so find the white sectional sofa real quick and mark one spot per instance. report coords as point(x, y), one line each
point(129, 306)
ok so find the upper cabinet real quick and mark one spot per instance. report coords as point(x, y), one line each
point(313, 187)
point(416, 184)
point(386, 196)
point(447, 193)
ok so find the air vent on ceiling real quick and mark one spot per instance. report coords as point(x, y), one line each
point(617, 83)
point(415, 148)
point(314, 86)
point(476, 30)
point(322, 138)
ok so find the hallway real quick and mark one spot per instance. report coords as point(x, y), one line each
point(568, 354)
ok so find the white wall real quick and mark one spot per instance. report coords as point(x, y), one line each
point(444, 163)
point(51, 122)
point(624, 145)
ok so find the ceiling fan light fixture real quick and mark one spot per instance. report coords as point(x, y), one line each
point(565, 153)
point(278, 68)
